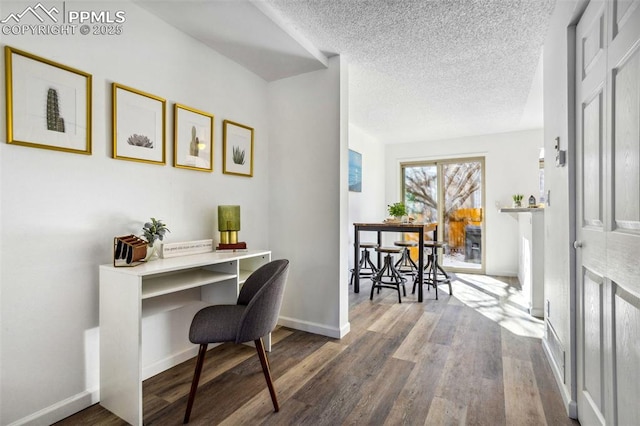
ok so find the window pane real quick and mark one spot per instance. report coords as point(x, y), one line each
point(463, 214)
point(421, 192)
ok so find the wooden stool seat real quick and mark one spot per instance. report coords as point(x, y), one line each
point(392, 250)
point(368, 245)
point(406, 265)
point(406, 243)
point(436, 244)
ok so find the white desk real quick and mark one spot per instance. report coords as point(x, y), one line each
point(128, 293)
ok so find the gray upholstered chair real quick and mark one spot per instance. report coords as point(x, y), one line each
point(255, 315)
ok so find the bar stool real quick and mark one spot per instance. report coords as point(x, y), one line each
point(388, 276)
point(365, 266)
point(405, 265)
point(433, 274)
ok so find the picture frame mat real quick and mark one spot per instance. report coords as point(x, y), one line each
point(186, 119)
point(141, 114)
point(29, 79)
point(238, 136)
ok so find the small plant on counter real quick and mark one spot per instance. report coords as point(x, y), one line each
point(517, 199)
point(154, 230)
point(397, 209)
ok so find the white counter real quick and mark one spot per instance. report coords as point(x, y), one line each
point(530, 255)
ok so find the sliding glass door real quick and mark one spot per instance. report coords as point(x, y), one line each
point(451, 194)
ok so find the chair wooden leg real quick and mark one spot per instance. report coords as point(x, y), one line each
point(267, 374)
point(196, 378)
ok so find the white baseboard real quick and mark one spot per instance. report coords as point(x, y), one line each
point(314, 328)
point(345, 329)
point(536, 312)
point(499, 273)
point(61, 409)
point(571, 406)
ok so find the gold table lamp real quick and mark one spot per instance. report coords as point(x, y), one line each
point(228, 226)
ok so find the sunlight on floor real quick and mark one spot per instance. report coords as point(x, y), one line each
point(498, 301)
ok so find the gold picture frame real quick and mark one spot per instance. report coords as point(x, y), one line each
point(237, 140)
point(139, 125)
point(192, 138)
point(48, 104)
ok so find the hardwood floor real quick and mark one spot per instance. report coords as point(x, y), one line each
point(433, 363)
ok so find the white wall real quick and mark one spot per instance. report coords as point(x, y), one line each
point(368, 205)
point(60, 211)
point(307, 180)
point(559, 221)
point(511, 166)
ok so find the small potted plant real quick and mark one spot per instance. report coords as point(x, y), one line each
point(397, 210)
point(153, 231)
point(517, 200)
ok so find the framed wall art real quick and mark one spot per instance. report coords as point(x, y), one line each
point(355, 171)
point(48, 104)
point(192, 139)
point(237, 149)
point(139, 130)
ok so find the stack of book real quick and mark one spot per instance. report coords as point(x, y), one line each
point(232, 247)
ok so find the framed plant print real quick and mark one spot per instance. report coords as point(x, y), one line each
point(237, 149)
point(139, 130)
point(192, 139)
point(48, 104)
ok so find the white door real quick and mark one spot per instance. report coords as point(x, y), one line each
point(608, 213)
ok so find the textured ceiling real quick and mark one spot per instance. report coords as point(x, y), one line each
point(426, 70)
point(419, 70)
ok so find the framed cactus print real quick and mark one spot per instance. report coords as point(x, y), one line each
point(237, 149)
point(139, 125)
point(48, 104)
point(192, 139)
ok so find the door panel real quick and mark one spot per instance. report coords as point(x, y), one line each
point(622, 10)
point(626, 166)
point(591, 97)
point(592, 118)
point(608, 213)
point(627, 356)
point(592, 45)
point(592, 304)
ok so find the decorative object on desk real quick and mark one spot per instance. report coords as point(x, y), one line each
point(532, 202)
point(154, 231)
point(237, 149)
point(48, 104)
point(186, 248)
point(355, 171)
point(517, 200)
point(192, 139)
point(397, 210)
point(228, 226)
point(138, 120)
point(129, 250)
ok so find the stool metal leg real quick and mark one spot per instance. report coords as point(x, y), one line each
point(388, 277)
point(406, 265)
point(434, 273)
point(366, 266)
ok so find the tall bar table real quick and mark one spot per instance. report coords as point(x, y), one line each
point(418, 228)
